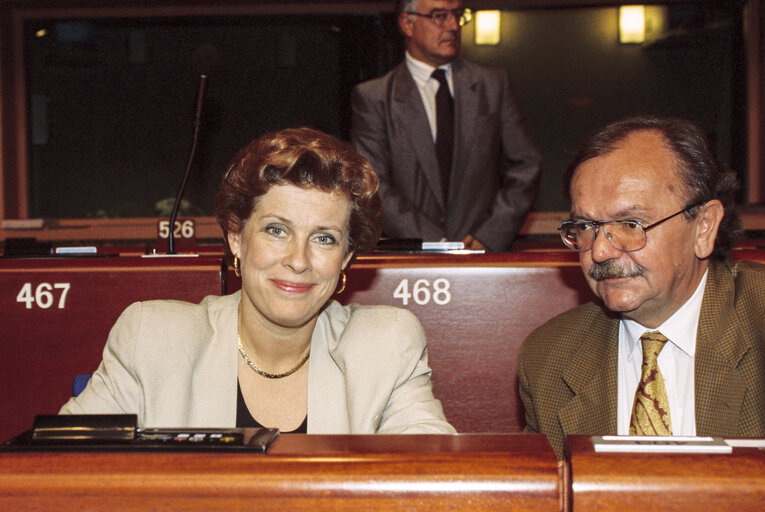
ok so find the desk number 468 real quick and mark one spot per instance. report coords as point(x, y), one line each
point(43, 295)
point(421, 292)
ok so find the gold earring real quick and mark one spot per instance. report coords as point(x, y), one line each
point(342, 286)
point(237, 266)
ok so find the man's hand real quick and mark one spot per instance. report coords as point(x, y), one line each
point(473, 244)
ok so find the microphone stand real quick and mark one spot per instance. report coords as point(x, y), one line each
point(177, 204)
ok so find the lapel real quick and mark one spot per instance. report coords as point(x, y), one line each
point(591, 375)
point(720, 347)
point(409, 114)
point(467, 97)
point(328, 404)
point(214, 380)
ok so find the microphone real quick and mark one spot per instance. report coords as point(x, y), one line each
point(204, 60)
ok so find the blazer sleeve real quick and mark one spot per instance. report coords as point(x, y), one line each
point(388, 388)
point(524, 389)
point(412, 407)
point(370, 110)
point(520, 168)
point(113, 388)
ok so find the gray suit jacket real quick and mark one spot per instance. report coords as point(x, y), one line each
point(568, 367)
point(174, 364)
point(495, 169)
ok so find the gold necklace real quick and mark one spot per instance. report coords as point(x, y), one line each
point(265, 374)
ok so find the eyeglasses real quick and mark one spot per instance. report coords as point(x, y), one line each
point(443, 16)
point(625, 235)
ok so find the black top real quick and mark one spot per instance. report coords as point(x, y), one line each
point(244, 418)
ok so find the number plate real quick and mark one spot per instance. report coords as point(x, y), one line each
point(185, 234)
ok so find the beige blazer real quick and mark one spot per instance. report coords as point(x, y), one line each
point(174, 364)
point(568, 367)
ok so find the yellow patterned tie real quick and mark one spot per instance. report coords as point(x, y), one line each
point(650, 412)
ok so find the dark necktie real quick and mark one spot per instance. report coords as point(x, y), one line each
point(650, 412)
point(444, 128)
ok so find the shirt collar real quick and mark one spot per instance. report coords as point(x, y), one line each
point(421, 71)
point(680, 328)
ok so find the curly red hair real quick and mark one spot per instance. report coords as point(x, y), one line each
point(306, 158)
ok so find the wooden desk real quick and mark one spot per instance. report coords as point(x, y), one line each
point(476, 310)
point(55, 315)
point(300, 472)
point(623, 482)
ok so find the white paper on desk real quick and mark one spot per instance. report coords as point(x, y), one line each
point(443, 245)
point(746, 443)
point(660, 444)
point(76, 250)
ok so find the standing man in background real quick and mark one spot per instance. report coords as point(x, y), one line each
point(446, 138)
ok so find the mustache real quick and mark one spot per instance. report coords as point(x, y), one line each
point(611, 269)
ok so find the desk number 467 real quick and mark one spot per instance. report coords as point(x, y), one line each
point(43, 295)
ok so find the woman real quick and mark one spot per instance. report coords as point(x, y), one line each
point(295, 206)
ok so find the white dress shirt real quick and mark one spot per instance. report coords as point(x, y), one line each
point(676, 362)
point(428, 86)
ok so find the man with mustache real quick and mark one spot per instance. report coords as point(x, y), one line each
point(446, 138)
point(676, 343)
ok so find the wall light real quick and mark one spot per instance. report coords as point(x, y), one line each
point(487, 25)
point(631, 24)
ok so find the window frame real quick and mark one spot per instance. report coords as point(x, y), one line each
point(13, 116)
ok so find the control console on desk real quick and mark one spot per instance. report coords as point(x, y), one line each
point(298, 472)
point(120, 432)
point(56, 313)
point(640, 481)
point(476, 309)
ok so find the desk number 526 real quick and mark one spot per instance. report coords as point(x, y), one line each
point(43, 295)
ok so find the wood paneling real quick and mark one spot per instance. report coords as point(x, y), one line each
point(300, 472)
point(624, 482)
point(59, 336)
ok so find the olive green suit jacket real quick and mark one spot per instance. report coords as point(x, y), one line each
point(568, 367)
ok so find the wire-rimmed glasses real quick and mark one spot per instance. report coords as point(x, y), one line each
point(443, 16)
point(624, 235)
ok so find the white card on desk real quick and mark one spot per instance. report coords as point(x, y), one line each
point(442, 246)
point(746, 443)
point(660, 444)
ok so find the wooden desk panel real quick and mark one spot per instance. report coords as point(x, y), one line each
point(473, 339)
point(316, 473)
point(73, 303)
point(623, 482)
point(476, 309)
